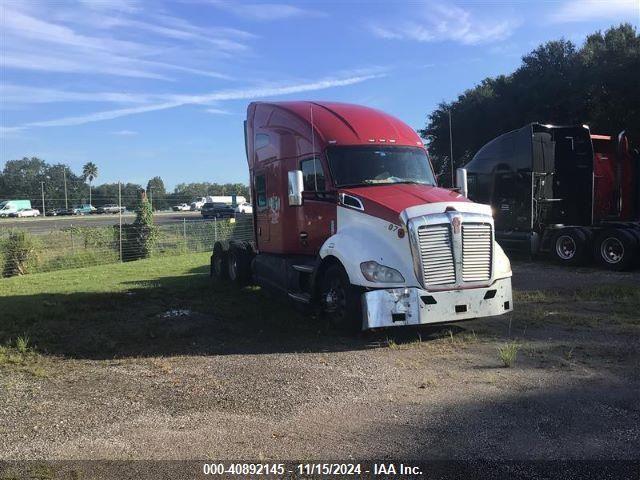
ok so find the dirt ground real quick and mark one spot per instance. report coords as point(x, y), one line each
point(422, 394)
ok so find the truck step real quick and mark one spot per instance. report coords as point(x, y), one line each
point(300, 297)
point(303, 268)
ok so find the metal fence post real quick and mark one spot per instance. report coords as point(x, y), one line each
point(184, 232)
point(120, 217)
point(215, 229)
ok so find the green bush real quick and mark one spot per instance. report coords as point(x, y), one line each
point(20, 254)
point(140, 237)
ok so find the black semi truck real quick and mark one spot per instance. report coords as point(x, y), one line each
point(563, 191)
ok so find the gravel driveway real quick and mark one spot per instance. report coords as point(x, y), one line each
point(433, 393)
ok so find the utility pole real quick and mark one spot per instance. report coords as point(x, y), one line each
point(44, 213)
point(120, 215)
point(64, 176)
point(453, 183)
point(151, 197)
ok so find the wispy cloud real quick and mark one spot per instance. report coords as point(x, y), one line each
point(33, 41)
point(18, 94)
point(6, 132)
point(124, 133)
point(24, 26)
point(70, 63)
point(112, 5)
point(439, 22)
point(173, 101)
point(218, 111)
point(264, 11)
point(586, 10)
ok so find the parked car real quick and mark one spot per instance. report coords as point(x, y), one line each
point(26, 212)
point(83, 209)
point(244, 208)
point(56, 212)
point(217, 210)
point(183, 207)
point(110, 208)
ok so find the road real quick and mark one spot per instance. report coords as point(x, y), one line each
point(53, 223)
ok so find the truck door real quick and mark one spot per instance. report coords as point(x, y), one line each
point(512, 200)
point(317, 218)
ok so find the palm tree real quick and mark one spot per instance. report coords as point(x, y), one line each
point(89, 172)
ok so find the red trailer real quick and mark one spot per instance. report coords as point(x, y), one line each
point(348, 216)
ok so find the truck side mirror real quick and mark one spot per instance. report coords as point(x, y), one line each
point(296, 187)
point(461, 181)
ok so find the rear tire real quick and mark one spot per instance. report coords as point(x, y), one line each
point(570, 246)
point(239, 265)
point(340, 302)
point(615, 249)
point(219, 266)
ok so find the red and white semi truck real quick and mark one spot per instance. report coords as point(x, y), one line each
point(348, 216)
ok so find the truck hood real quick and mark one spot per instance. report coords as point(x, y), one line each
point(388, 201)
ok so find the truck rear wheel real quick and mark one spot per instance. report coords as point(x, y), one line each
point(615, 249)
point(219, 268)
point(570, 246)
point(239, 265)
point(340, 301)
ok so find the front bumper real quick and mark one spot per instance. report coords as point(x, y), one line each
point(414, 306)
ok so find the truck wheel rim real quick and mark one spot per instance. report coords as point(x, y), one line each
point(612, 250)
point(217, 263)
point(334, 299)
point(233, 267)
point(566, 247)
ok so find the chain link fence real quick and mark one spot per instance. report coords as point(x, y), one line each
point(47, 248)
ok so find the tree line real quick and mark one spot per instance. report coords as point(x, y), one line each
point(556, 83)
point(32, 178)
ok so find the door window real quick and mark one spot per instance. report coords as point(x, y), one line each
point(261, 191)
point(312, 175)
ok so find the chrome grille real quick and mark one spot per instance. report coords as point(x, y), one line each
point(476, 252)
point(436, 252)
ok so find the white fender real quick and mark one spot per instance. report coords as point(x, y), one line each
point(361, 238)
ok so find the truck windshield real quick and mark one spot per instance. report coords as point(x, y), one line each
point(357, 166)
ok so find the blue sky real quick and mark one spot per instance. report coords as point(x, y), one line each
point(161, 88)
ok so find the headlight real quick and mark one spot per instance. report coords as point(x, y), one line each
point(374, 272)
point(503, 265)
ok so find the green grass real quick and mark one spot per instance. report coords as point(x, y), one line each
point(116, 310)
point(615, 306)
point(508, 353)
point(112, 278)
point(19, 356)
point(90, 245)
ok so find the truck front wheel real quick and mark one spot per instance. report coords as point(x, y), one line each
point(340, 301)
